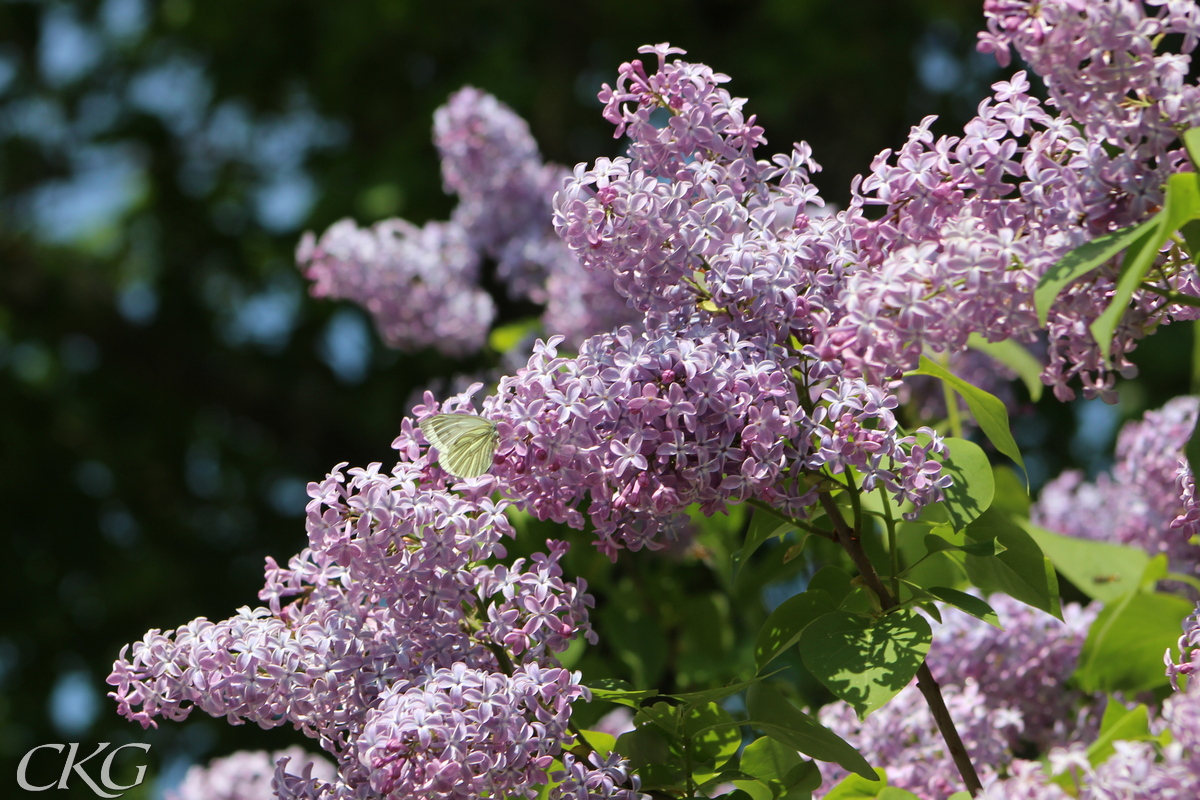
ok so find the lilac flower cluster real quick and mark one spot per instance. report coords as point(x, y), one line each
point(1189, 651)
point(422, 667)
point(1022, 668)
point(421, 285)
point(689, 223)
point(1005, 690)
point(249, 775)
point(643, 425)
point(972, 222)
point(1147, 501)
point(902, 739)
point(1137, 770)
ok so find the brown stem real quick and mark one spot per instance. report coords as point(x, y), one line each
point(850, 542)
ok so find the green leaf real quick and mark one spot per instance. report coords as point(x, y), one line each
point(973, 487)
point(713, 695)
point(1081, 261)
point(1120, 724)
point(785, 624)
point(1191, 237)
point(615, 691)
point(602, 743)
point(506, 337)
point(987, 409)
point(935, 543)
point(856, 787)
point(1101, 570)
point(754, 790)
point(649, 752)
point(1125, 646)
point(1011, 495)
point(925, 568)
point(834, 581)
point(1137, 263)
point(768, 760)
point(775, 716)
point(963, 795)
point(1014, 356)
point(662, 714)
point(1191, 450)
point(896, 793)
point(862, 661)
point(1191, 140)
point(764, 525)
point(781, 768)
point(1182, 205)
point(1156, 570)
point(1021, 571)
point(713, 734)
point(966, 602)
point(801, 781)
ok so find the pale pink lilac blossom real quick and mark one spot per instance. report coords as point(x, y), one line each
point(422, 284)
point(642, 425)
point(422, 668)
point(249, 775)
point(1137, 770)
point(1148, 498)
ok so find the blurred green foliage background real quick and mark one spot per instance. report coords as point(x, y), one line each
point(167, 388)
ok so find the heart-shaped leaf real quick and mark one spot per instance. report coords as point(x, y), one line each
point(863, 661)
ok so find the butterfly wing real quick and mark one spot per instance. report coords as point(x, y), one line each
point(466, 443)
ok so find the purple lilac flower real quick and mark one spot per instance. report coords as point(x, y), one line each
point(1005, 690)
point(693, 226)
point(1022, 668)
point(421, 285)
point(422, 668)
point(491, 162)
point(643, 425)
point(1148, 499)
point(1137, 770)
point(250, 775)
point(1189, 652)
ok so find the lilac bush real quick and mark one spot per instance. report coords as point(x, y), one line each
point(720, 339)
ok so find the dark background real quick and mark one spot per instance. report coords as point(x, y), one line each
point(166, 385)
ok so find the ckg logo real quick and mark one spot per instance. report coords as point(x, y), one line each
point(73, 766)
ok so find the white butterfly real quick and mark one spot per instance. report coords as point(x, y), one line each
point(466, 443)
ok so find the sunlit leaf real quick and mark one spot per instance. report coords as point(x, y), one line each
point(785, 624)
point(1081, 261)
point(775, 716)
point(1014, 356)
point(863, 661)
point(1125, 645)
point(1102, 570)
point(1021, 571)
point(973, 487)
point(987, 409)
